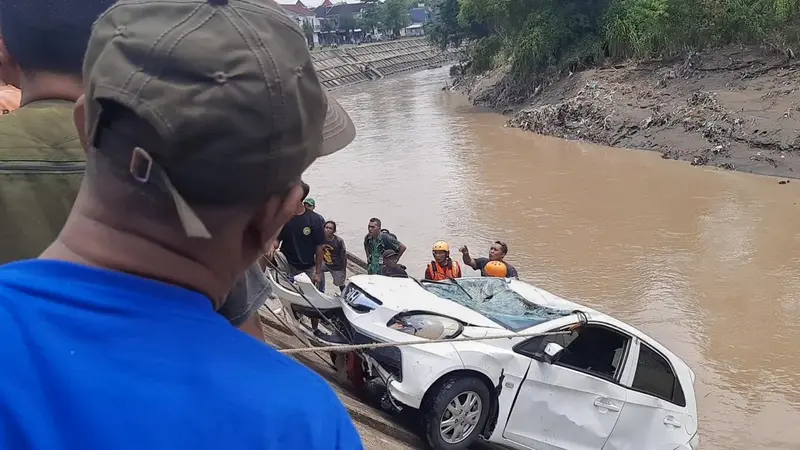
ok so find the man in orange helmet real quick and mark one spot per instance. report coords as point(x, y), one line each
point(497, 252)
point(442, 267)
point(497, 269)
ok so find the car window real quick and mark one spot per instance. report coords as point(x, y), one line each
point(654, 376)
point(536, 345)
point(593, 349)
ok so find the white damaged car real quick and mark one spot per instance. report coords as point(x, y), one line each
point(596, 384)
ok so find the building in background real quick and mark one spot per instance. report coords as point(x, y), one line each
point(339, 22)
point(307, 19)
point(419, 15)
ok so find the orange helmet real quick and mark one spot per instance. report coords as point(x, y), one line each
point(441, 246)
point(496, 269)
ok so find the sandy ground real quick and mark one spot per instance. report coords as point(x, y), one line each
point(376, 440)
point(737, 109)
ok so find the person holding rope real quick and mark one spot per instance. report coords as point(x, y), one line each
point(113, 330)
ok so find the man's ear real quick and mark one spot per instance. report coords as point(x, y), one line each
point(278, 210)
point(79, 117)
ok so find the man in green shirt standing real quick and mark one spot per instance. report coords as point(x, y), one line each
point(376, 242)
point(42, 45)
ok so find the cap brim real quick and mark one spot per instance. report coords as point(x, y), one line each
point(338, 131)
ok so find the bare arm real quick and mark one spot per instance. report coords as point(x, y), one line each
point(319, 259)
point(468, 259)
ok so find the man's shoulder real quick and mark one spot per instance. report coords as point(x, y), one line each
point(43, 131)
point(512, 271)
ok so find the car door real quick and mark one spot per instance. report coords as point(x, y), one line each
point(656, 415)
point(574, 402)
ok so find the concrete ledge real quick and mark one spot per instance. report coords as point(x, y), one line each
point(346, 66)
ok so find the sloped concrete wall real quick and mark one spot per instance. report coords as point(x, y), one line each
point(351, 65)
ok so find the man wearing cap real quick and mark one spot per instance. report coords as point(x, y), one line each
point(42, 48)
point(391, 267)
point(199, 118)
point(310, 204)
point(302, 243)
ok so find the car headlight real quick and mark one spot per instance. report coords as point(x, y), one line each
point(358, 301)
point(428, 326)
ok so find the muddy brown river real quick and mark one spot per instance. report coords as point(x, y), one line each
point(705, 261)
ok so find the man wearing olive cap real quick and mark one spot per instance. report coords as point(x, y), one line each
point(198, 119)
point(42, 44)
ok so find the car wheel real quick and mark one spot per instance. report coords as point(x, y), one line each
point(455, 413)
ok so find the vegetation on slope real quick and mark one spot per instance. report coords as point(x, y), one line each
point(540, 37)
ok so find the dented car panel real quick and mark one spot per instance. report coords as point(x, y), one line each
point(559, 408)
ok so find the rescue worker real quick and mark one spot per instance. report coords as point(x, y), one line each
point(497, 269)
point(442, 267)
point(497, 252)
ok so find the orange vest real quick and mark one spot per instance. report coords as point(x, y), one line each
point(9, 99)
point(436, 272)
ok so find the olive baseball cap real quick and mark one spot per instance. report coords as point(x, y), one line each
point(228, 86)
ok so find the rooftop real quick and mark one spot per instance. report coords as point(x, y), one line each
point(298, 8)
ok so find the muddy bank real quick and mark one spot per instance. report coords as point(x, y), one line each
point(734, 109)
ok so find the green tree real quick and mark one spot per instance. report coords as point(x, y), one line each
point(394, 15)
point(541, 37)
point(370, 18)
point(445, 31)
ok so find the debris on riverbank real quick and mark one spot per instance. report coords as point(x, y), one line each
point(736, 109)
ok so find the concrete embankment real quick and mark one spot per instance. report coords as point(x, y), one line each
point(350, 65)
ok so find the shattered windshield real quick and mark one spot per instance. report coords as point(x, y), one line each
point(494, 298)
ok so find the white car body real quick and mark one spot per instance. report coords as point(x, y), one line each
point(536, 404)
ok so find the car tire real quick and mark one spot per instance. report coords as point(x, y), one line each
point(463, 390)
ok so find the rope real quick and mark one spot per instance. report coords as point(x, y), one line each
point(350, 348)
point(282, 322)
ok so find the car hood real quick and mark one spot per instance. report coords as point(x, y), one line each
point(404, 294)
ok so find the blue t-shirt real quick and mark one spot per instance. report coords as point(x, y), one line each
point(95, 359)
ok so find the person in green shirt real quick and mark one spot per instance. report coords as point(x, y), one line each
point(376, 242)
point(42, 161)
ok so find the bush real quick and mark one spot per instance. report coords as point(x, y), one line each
point(540, 36)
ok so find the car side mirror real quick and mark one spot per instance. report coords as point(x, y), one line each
point(551, 352)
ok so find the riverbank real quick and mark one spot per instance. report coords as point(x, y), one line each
point(348, 65)
point(736, 109)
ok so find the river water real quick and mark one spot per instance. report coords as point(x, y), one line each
point(705, 261)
